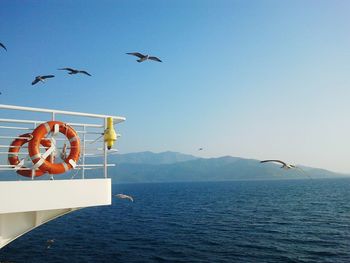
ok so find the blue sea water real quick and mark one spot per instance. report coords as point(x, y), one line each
point(258, 221)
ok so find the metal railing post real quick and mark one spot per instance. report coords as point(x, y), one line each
point(105, 151)
point(33, 170)
point(84, 146)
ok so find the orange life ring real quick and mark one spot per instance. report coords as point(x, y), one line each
point(13, 154)
point(41, 132)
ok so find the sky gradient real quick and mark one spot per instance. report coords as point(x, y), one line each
point(255, 79)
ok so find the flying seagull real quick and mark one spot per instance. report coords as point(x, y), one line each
point(143, 57)
point(122, 196)
point(200, 149)
point(3, 46)
point(41, 78)
point(74, 71)
point(287, 166)
point(284, 165)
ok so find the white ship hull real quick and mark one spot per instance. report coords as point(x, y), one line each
point(26, 205)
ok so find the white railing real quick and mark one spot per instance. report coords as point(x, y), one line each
point(90, 134)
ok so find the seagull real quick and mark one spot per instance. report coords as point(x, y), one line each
point(3, 46)
point(287, 166)
point(143, 57)
point(74, 71)
point(284, 165)
point(50, 242)
point(200, 149)
point(41, 78)
point(122, 196)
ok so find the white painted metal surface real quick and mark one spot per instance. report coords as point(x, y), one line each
point(24, 196)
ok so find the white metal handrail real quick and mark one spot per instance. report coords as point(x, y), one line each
point(117, 119)
point(30, 125)
point(39, 122)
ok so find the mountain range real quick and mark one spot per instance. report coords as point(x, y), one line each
point(144, 167)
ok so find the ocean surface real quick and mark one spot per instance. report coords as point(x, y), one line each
point(257, 221)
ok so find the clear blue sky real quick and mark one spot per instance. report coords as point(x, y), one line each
point(256, 79)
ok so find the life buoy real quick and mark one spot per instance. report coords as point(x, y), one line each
point(41, 132)
point(14, 150)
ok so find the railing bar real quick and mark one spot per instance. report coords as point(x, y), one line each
point(15, 128)
point(79, 165)
point(26, 169)
point(17, 153)
point(96, 165)
point(68, 148)
point(57, 139)
point(24, 128)
point(86, 132)
point(117, 119)
point(12, 137)
point(86, 154)
point(12, 169)
point(84, 149)
point(34, 122)
point(25, 147)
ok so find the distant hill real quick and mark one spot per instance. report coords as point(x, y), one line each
point(151, 158)
point(176, 167)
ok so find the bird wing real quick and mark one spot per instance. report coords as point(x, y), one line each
point(276, 161)
point(35, 81)
point(121, 195)
point(137, 54)
point(47, 76)
point(70, 69)
point(3, 46)
point(155, 59)
point(84, 72)
point(125, 197)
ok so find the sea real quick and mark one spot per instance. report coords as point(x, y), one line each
point(241, 221)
